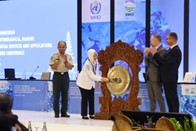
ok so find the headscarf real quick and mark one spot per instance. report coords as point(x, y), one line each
point(91, 59)
point(90, 56)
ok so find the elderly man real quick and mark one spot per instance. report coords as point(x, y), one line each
point(154, 83)
point(61, 63)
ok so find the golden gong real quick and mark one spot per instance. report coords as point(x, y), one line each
point(121, 80)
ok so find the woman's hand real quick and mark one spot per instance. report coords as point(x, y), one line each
point(105, 79)
point(111, 79)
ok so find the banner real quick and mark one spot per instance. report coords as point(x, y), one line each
point(37, 96)
point(95, 11)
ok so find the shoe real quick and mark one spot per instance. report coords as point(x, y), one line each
point(56, 116)
point(85, 117)
point(92, 116)
point(65, 115)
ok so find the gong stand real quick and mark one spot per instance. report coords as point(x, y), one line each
point(119, 51)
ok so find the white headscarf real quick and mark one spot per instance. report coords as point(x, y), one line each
point(90, 56)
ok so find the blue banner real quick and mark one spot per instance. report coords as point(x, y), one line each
point(37, 96)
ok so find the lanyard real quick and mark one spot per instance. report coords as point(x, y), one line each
point(94, 67)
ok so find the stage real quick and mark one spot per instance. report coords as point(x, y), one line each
point(74, 123)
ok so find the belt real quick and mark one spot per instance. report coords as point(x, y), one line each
point(61, 73)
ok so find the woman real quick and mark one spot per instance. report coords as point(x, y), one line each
point(85, 81)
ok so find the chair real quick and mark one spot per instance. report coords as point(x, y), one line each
point(45, 75)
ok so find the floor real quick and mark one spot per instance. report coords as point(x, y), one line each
point(74, 123)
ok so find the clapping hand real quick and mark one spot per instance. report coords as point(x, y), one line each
point(65, 58)
point(153, 50)
point(147, 51)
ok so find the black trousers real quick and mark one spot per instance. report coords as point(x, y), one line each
point(171, 96)
point(87, 100)
point(60, 88)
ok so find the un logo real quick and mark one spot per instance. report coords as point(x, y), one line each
point(95, 7)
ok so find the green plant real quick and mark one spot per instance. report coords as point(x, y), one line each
point(187, 125)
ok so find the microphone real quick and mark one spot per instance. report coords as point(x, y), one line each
point(31, 77)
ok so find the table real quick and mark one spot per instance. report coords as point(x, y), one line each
point(36, 95)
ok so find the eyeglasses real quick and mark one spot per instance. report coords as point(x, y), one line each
point(168, 38)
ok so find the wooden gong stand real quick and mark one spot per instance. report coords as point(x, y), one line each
point(119, 51)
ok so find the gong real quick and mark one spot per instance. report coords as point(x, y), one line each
point(121, 80)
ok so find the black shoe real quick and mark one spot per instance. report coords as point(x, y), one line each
point(92, 116)
point(65, 115)
point(56, 116)
point(85, 117)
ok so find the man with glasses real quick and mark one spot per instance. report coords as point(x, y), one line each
point(169, 65)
